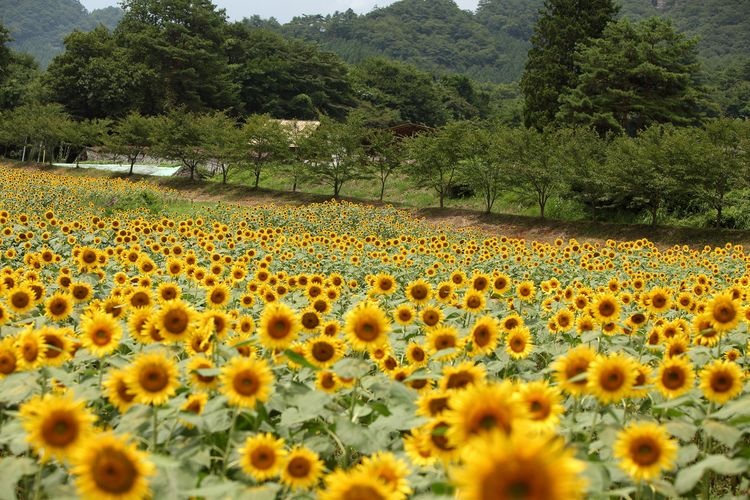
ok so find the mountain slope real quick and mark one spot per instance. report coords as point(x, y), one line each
point(491, 44)
point(39, 26)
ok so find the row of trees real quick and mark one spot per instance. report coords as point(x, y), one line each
point(664, 169)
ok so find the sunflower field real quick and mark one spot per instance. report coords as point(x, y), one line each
point(339, 351)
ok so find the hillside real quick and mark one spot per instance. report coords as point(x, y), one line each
point(38, 27)
point(491, 44)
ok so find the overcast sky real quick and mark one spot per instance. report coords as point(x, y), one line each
point(284, 10)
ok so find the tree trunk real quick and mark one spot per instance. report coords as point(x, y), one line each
point(224, 173)
point(442, 195)
point(654, 210)
point(382, 189)
point(132, 164)
point(718, 214)
point(294, 186)
point(542, 204)
point(257, 176)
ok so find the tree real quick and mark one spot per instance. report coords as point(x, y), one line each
point(131, 137)
point(182, 136)
point(96, 78)
point(384, 153)
point(486, 161)
point(79, 135)
point(182, 43)
point(301, 140)
point(223, 142)
point(389, 84)
point(286, 78)
point(584, 155)
point(636, 75)
point(434, 158)
point(563, 26)
point(536, 170)
point(262, 141)
point(335, 154)
point(722, 163)
point(644, 170)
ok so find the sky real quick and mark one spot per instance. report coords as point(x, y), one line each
point(284, 10)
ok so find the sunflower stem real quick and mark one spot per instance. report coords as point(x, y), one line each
point(101, 373)
point(38, 482)
point(155, 422)
point(228, 447)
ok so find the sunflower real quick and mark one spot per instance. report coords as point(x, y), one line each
point(519, 466)
point(196, 368)
point(501, 283)
point(117, 391)
point(526, 291)
point(152, 378)
point(643, 379)
point(433, 403)
point(20, 298)
point(415, 355)
point(217, 321)
point(384, 284)
point(404, 314)
point(167, 291)
point(611, 378)
point(418, 449)
point(30, 349)
point(140, 296)
point(390, 470)
point(676, 346)
point(310, 320)
point(138, 321)
point(354, 484)
point(279, 326)
point(458, 278)
point(100, 333)
point(511, 322)
point(218, 296)
point(58, 306)
point(81, 291)
point(245, 381)
point(57, 345)
point(725, 312)
point(543, 403)
point(659, 300)
point(675, 376)
point(262, 456)
point(366, 326)
point(444, 338)
point(175, 320)
point(431, 316)
point(474, 301)
point(56, 425)
point(564, 320)
point(446, 292)
point(484, 335)
point(605, 308)
point(721, 381)
point(323, 351)
point(327, 381)
point(302, 469)
point(5, 315)
point(644, 449)
point(419, 292)
point(705, 332)
point(461, 376)
point(481, 409)
point(8, 357)
point(518, 343)
point(109, 468)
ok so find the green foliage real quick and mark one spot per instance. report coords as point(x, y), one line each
point(97, 77)
point(562, 26)
point(131, 137)
point(38, 27)
point(181, 135)
point(262, 140)
point(182, 44)
point(406, 90)
point(286, 78)
point(633, 76)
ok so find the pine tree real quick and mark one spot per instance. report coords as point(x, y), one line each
point(550, 69)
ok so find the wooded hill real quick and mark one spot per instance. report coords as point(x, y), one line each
point(38, 27)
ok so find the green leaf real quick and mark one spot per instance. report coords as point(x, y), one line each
point(351, 368)
point(11, 470)
point(725, 434)
point(208, 372)
point(299, 359)
point(687, 454)
point(735, 408)
point(688, 477)
point(683, 430)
